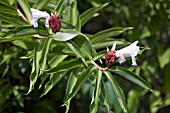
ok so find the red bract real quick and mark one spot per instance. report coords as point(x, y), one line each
point(110, 57)
point(55, 23)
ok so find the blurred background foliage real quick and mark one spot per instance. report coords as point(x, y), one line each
point(150, 20)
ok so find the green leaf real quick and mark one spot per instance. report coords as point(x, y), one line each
point(70, 85)
point(90, 13)
point(54, 79)
point(65, 36)
point(65, 65)
point(12, 19)
point(74, 16)
point(133, 101)
point(26, 8)
point(4, 2)
point(60, 6)
point(40, 4)
point(108, 43)
point(164, 58)
point(52, 63)
point(21, 33)
point(117, 90)
point(45, 52)
point(130, 76)
point(82, 78)
point(36, 67)
point(8, 10)
point(103, 96)
point(76, 50)
point(56, 60)
point(102, 35)
point(96, 93)
point(85, 45)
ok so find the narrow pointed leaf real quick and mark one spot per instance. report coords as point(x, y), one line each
point(54, 79)
point(65, 65)
point(102, 35)
point(90, 13)
point(64, 36)
point(74, 16)
point(84, 44)
point(130, 76)
point(70, 85)
point(117, 91)
point(40, 4)
point(95, 99)
point(45, 50)
point(76, 50)
point(103, 96)
point(83, 77)
point(35, 67)
point(26, 8)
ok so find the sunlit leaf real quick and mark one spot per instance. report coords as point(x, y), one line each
point(65, 65)
point(90, 13)
point(96, 93)
point(82, 78)
point(130, 76)
point(117, 90)
point(102, 35)
point(26, 8)
point(36, 66)
point(54, 79)
point(40, 4)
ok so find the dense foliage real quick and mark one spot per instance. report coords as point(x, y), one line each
point(42, 71)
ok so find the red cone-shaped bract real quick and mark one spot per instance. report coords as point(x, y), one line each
point(55, 23)
point(110, 57)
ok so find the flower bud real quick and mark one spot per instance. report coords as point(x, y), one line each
point(110, 57)
point(55, 23)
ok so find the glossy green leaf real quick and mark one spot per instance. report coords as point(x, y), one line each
point(5, 2)
point(45, 51)
point(85, 45)
point(130, 76)
point(8, 10)
point(21, 33)
point(65, 36)
point(108, 43)
point(90, 13)
point(51, 63)
point(40, 4)
point(65, 65)
point(56, 60)
point(26, 8)
point(117, 90)
point(96, 93)
point(54, 79)
point(36, 67)
point(12, 19)
point(74, 16)
point(76, 50)
point(108, 33)
point(103, 96)
point(81, 79)
point(60, 6)
point(70, 85)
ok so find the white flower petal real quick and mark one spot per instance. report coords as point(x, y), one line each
point(121, 59)
point(129, 51)
point(36, 14)
point(107, 49)
point(133, 61)
point(114, 46)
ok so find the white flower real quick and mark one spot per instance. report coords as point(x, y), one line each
point(129, 51)
point(36, 14)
